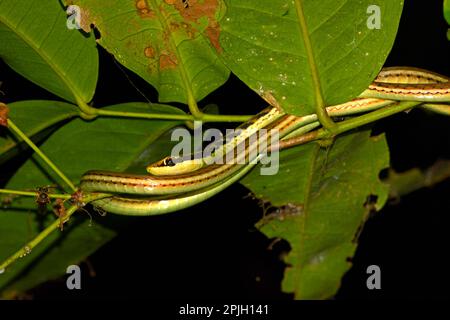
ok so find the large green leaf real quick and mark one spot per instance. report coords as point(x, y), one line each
point(267, 46)
point(447, 10)
point(322, 195)
point(106, 143)
point(170, 44)
point(35, 42)
point(33, 117)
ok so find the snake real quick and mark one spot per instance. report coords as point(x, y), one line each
point(392, 83)
point(174, 184)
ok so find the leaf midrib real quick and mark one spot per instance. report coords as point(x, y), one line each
point(182, 69)
point(308, 187)
point(318, 96)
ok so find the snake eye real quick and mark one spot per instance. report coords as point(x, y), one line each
point(169, 162)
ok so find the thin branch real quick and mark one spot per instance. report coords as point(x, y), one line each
point(35, 193)
point(24, 137)
point(173, 117)
point(28, 248)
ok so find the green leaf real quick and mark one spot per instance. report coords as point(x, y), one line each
point(105, 143)
point(404, 183)
point(266, 45)
point(33, 117)
point(447, 10)
point(36, 43)
point(447, 15)
point(172, 47)
point(322, 198)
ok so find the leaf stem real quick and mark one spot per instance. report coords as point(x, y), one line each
point(228, 118)
point(349, 124)
point(35, 193)
point(89, 113)
point(181, 117)
point(373, 116)
point(24, 137)
point(160, 116)
point(321, 111)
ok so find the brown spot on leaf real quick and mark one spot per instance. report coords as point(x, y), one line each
point(167, 61)
point(286, 212)
point(141, 4)
point(213, 33)
point(189, 30)
point(4, 110)
point(194, 10)
point(149, 52)
point(143, 10)
point(174, 26)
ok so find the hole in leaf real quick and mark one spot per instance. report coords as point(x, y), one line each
point(384, 174)
point(97, 33)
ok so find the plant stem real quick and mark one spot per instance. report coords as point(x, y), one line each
point(373, 116)
point(41, 154)
point(89, 113)
point(349, 124)
point(181, 117)
point(296, 141)
point(159, 116)
point(25, 250)
point(227, 118)
point(35, 193)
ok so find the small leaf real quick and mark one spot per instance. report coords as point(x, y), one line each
point(171, 44)
point(36, 43)
point(322, 195)
point(333, 54)
point(404, 183)
point(105, 143)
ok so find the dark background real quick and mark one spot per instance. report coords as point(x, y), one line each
point(212, 251)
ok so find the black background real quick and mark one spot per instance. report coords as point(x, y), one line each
point(212, 251)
